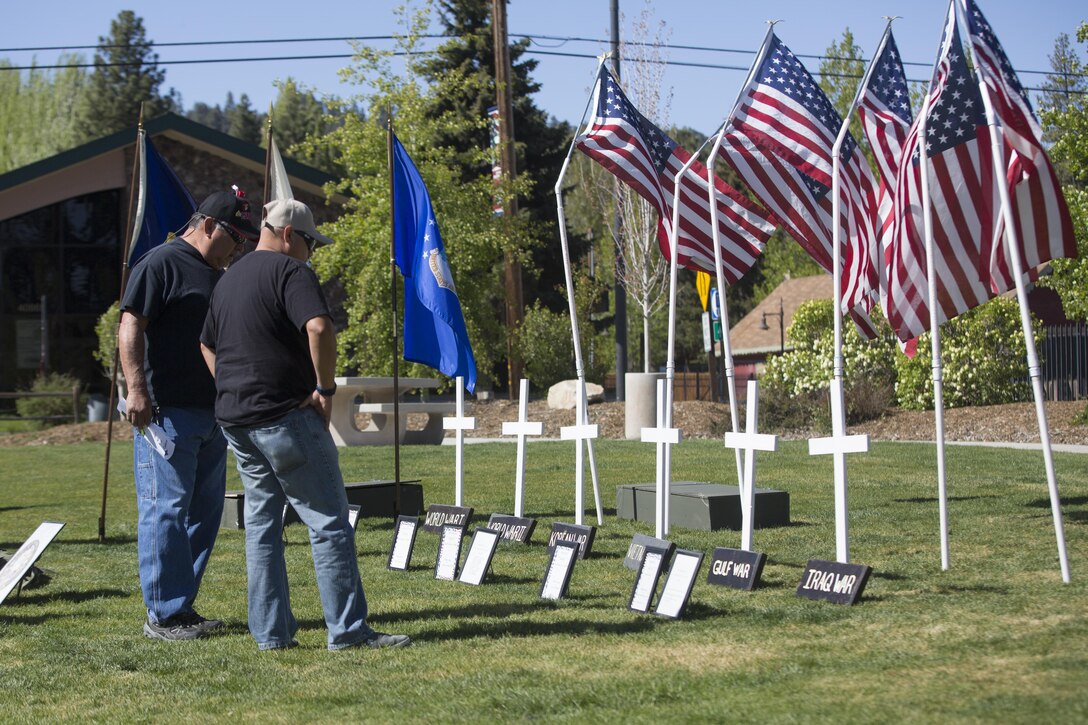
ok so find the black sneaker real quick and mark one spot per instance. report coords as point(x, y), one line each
point(192, 619)
point(172, 630)
point(380, 640)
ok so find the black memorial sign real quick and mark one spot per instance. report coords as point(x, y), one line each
point(833, 581)
point(560, 566)
point(649, 571)
point(449, 552)
point(735, 568)
point(575, 533)
point(512, 528)
point(678, 584)
point(404, 540)
point(439, 515)
point(637, 550)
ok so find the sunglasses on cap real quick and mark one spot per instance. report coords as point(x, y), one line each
point(231, 231)
point(311, 243)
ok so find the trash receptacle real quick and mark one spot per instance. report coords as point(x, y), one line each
point(97, 407)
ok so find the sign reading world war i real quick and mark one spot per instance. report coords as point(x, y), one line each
point(833, 581)
point(439, 515)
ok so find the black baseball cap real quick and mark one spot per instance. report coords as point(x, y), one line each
point(231, 207)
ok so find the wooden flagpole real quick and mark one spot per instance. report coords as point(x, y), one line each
point(134, 183)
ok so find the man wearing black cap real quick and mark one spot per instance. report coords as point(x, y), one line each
point(269, 341)
point(179, 493)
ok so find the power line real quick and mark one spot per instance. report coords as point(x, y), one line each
point(344, 56)
point(562, 40)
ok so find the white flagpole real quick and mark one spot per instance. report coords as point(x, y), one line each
point(578, 366)
point(1017, 264)
point(727, 345)
point(934, 328)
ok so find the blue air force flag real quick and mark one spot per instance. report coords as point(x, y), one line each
point(434, 326)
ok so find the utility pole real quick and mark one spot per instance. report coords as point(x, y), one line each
point(618, 293)
point(512, 268)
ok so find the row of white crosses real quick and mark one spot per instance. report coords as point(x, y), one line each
point(581, 432)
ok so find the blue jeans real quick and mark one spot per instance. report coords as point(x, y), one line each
point(180, 505)
point(294, 459)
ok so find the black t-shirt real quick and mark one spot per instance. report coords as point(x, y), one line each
point(257, 327)
point(171, 286)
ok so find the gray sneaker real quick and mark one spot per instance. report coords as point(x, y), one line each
point(192, 619)
point(380, 640)
point(172, 630)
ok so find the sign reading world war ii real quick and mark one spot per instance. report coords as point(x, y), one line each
point(833, 581)
point(735, 568)
point(574, 533)
point(512, 528)
point(439, 515)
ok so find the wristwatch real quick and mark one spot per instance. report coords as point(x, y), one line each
point(326, 392)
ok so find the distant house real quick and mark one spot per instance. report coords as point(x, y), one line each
point(62, 232)
point(762, 332)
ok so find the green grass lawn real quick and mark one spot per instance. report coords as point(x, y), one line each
point(996, 638)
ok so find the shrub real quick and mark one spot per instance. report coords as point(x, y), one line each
point(546, 346)
point(43, 407)
point(983, 360)
point(106, 330)
point(794, 386)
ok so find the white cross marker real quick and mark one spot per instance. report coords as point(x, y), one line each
point(838, 445)
point(460, 424)
point(580, 431)
point(750, 442)
point(521, 429)
point(663, 437)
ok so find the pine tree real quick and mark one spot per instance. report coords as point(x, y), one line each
point(126, 73)
point(244, 122)
point(463, 71)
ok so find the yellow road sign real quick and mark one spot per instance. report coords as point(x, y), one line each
point(702, 283)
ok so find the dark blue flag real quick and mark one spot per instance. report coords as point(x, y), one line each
point(434, 326)
point(167, 203)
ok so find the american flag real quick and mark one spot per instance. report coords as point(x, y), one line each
point(962, 192)
point(632, 148)
point(968, 231)
point(780, 142)
point(885, 112)
point(1041, 217)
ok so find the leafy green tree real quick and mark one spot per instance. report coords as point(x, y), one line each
point(1068, 124)
point(360, 259)
point(126, 73)
point(463, 70)
point(38, 111)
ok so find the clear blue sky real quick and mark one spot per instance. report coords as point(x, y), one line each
point(701, 96)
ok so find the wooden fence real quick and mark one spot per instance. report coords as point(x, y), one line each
point(74, 395)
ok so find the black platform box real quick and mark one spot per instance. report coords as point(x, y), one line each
point(705, 506)
point(375, 499)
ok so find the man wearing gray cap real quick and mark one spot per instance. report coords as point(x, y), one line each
point(269, 342)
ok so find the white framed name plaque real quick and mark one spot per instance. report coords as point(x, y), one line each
point(19, 564)
point(560, 567)
point(449, 552)
point(678, 584)
point(649, 571)
point(404, 540)
point(480, 552)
